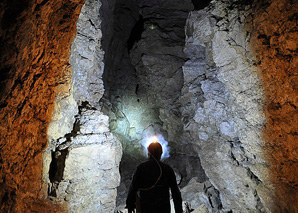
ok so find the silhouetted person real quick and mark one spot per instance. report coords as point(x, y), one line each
point(149, 190)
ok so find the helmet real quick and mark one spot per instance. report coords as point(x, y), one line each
point(155, 149)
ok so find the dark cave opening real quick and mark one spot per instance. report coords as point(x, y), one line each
point(57, 165)
point(136, 33)
point(200, 4)
point(56, 170)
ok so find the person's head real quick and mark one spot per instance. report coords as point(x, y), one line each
point(155, 149)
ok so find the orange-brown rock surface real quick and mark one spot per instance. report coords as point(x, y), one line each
point(275, 40)
point(35, 40)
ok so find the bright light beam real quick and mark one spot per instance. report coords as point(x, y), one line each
point(160, 139)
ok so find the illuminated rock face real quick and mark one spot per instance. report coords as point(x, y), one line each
point(245, 134)
point(222, 105)
point(222, 115)
point(81, 163)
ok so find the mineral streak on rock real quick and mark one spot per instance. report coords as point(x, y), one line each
point(274, 41)
point(35, 40)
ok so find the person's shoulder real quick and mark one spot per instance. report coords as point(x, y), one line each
point(166, 166)
point(143, 164)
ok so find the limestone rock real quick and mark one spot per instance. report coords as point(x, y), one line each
point(194, 194)
point(201, 209)
point(63, 117)
point(93, 121)
point(83, 156)
point(87, 63)
point(95, 174)
point(211, 108)
point(228, 120)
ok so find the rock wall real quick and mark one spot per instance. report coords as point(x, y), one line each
point(274, 41)
point(240, 102)
point(222, 106)
point(35, 39)
point(158, 58)
point(82, 160)
point(230, 113)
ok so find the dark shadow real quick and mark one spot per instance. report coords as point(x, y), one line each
point(200, 4)
point(136, 33)
point(57, 165)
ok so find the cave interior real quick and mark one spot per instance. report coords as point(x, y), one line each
point(86, 84)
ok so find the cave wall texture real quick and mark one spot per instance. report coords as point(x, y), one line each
point(274, 42)
point(228, 106)
point(81, 163)
point(258, 37)
point(222, 106)
point(35, 46)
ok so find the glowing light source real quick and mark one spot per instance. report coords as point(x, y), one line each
point(160, 139)
point(153, 139)
point(152, 27)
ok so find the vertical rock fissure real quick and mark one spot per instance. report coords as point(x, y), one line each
point(61, 151)
point(56, 170)
point(57, 165)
